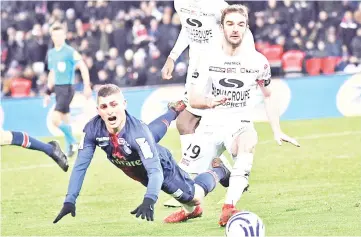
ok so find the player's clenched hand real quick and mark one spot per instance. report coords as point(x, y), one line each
point(281, 137)
point(167, 69)
point(67, 208)
point(218, 100)
point(145, 210)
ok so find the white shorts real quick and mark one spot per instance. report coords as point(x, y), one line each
point(209, 142)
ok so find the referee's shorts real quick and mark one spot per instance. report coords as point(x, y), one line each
point(63, 96)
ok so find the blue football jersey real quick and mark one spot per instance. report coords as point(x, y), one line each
point(63, 62)
point(133, 150)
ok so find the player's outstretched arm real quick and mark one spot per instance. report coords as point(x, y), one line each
point(85, 155)
point(50, 87)
point(51, 78)
point(86, 79)
point(180, 45)
point(147, 150)
point(272, 112)
point(84, 71)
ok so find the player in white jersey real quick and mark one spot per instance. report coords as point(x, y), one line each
point(200, 30)
point(232, 77)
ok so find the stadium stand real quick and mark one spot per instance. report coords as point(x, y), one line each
point(126, 43)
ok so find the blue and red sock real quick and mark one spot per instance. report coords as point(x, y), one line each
point(160, 125)
point(208, 180)
point(24, 140)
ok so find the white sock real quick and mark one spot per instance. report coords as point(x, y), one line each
point(239, 178)
point(185, 141)
point(225, 161)
point(188, 209)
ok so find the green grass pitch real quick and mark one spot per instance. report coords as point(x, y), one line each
point(312, 190)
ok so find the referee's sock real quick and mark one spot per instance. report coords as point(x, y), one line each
point(66, 129)
point(24, 140)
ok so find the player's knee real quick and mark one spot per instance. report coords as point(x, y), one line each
point(245, 143)
point(186, 124)
point(57, 118)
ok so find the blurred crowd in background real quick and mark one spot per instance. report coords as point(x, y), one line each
point(126, 43)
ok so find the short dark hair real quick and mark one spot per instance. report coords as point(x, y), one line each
point(108, 89)
point(56, 26)
point(239, 8)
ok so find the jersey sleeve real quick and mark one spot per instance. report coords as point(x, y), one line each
point(219, 8)
point(85, 155)
point(200, 74)
point(177, 5)
point(180, 45)
point(222, 5)
point(264, 76)
point(182, 41)
point(50, 60)
point(75, 56)
point(148, 152)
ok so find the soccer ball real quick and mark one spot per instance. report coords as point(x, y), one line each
point(245, 224)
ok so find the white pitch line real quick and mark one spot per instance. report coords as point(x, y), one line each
point(309, 137)
point(317, 136)
point(28, 167)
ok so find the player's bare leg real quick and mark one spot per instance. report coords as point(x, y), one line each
point(243, 149)
point(57, 118)
point(204, 184)
point(186, 125)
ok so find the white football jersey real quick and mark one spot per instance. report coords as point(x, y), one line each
point(238, 77)
point(200, 20)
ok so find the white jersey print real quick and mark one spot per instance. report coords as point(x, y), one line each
point(237, 77)
point(200, 22)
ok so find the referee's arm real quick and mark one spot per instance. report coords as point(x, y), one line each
point(51, 80)
point(85, 76)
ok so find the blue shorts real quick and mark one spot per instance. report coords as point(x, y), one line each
point(177, 182)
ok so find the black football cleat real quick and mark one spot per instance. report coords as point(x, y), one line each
point(58, 156)
point(217, 162)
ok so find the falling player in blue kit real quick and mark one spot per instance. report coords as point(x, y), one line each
point(130, 145)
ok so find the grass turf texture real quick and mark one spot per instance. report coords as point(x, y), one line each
point(312, 190)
